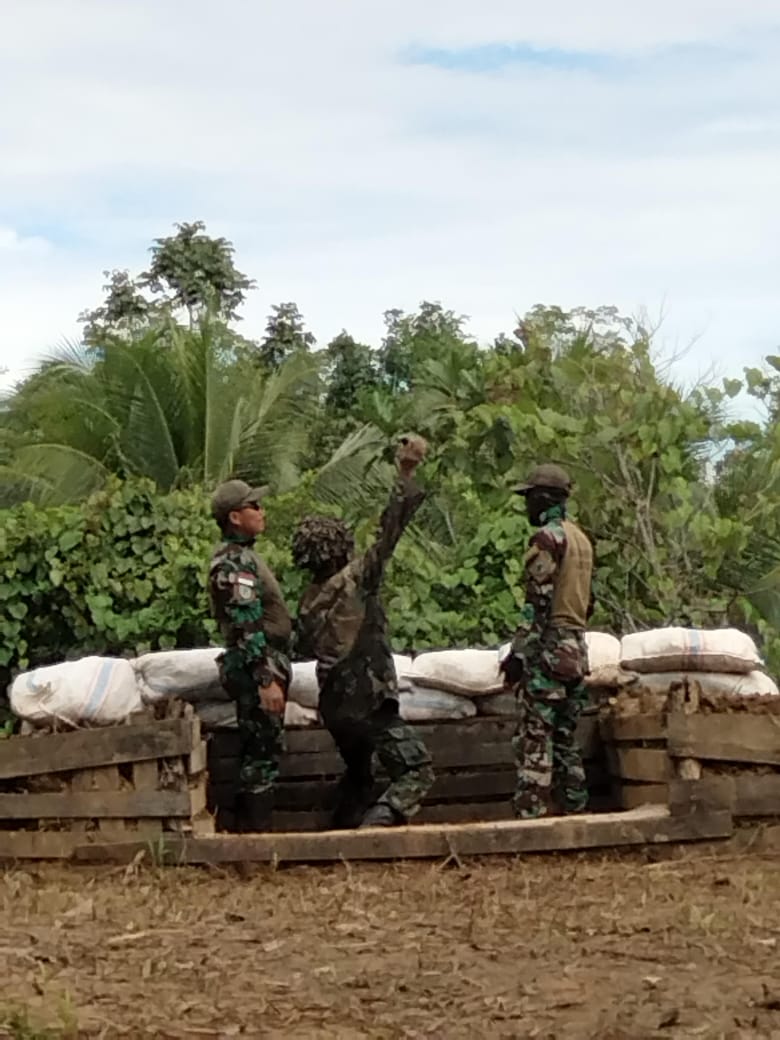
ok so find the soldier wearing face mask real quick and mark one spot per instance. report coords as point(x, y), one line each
point(548, 660)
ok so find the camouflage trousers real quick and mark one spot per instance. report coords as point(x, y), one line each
point(549, 761)
point(400, 751)
point(261, 735)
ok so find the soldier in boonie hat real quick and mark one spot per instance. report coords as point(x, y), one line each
point(248, 606)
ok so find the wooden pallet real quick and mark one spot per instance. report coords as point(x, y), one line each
point(133, 782)
point(726, 759)
point(473, 760)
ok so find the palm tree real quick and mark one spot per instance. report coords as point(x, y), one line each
point(173, 405)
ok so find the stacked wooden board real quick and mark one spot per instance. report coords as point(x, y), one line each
point(137, 781)
point(472, 758)
point(727, 758)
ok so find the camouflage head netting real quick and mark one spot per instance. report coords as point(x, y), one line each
point(320, 542)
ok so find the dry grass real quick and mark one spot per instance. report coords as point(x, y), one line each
point(588, 946)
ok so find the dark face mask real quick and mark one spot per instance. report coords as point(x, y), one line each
point(538, 501)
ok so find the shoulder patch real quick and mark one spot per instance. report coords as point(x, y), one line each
point(551, 538)
point(541, 567)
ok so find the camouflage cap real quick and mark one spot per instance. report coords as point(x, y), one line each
point(548, 475)
point(234, 494)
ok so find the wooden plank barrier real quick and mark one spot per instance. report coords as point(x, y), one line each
point(473, 760)
point(136, 781)
point(692, 760)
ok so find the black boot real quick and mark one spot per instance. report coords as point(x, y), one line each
point(255, 808)
point(382, 815)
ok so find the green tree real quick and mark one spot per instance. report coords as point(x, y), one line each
point(412, 339)
point(350, 369)
point(195, 271)
point(125, 311)
point(285, 336)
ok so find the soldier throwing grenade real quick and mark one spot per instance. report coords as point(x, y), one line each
point(342, 623)
point(548, 659)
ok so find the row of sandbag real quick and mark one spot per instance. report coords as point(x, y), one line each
point(438, 684)
point(103, 691)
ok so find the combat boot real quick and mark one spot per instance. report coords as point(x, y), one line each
point(381, 815)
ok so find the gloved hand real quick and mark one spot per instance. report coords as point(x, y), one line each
point(411, 451)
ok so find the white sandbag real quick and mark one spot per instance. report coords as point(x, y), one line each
point(222, 715)
point(422, 705)
point(470, 673)
point(402, 665)
point(603, 660)
point(304, 688)
point(497, 704)
point(190, 675)
point(94, 691)
point(297, 715)
point(690, 650)
point(216, 714)
point(754, 684)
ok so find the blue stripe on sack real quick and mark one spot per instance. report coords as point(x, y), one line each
point(695, 643)
point(99, 689)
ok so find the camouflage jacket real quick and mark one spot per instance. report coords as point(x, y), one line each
point(342, 622)
point(248, 606)
point(558, 599)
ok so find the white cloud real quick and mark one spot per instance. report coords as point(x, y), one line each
point(12, 242)
point(351, 182)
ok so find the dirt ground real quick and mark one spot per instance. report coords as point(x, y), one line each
point(588, 946)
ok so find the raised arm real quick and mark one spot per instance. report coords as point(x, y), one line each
point(405, 499)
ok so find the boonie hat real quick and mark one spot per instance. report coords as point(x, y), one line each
point(235, 494)
point(548, 475)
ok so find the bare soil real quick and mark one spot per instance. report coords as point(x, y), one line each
point(590, 946)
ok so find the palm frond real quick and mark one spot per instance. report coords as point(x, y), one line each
point(55, 473)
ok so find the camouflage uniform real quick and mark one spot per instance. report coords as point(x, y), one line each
point(550, 643)
point(247, 603)
point(342, 623)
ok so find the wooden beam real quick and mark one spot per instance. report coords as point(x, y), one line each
point(443, 812)
point(459, 786)
point(86, 748)
point(725, 737)
point(746, 795)
point(650, 764)
point(633, 727)
point(455, 743)
point(96, 805)
point(436, 735)
point(425, 841)
point(38, 844)
point(631, 796)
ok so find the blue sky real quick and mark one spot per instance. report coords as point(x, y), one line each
point(367, 155)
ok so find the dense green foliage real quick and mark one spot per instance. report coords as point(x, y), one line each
point(108, 456)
